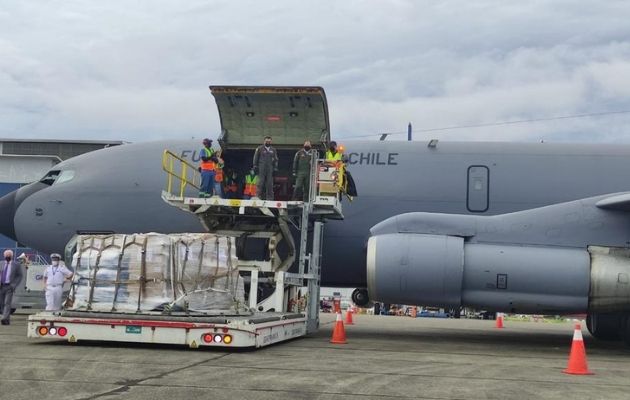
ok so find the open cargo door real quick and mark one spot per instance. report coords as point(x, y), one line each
point(290, 115)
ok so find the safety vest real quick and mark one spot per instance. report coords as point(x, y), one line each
point(218, 174)
point(333, 157)
point(250, 185)
point(207, 165)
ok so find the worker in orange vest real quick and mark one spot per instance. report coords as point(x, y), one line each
point(218, 176)
point(251, 180)
point(207, 169)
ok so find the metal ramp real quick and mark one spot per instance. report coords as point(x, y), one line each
point(273, 223)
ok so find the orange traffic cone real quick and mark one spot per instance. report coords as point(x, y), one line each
point(349, 317)
point(577, 357)
point(339, 333)
point(337, 306)
point(499, 323)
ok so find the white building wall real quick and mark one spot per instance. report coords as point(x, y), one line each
point(24, 169)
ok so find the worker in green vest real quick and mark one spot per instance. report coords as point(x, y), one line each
point(251, 180)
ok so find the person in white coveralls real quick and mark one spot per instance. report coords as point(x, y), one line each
point(54, 277)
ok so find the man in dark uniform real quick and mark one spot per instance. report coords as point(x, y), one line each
point(302, 172)
point(266, 163)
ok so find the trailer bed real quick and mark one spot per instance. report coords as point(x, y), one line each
point(235, 331)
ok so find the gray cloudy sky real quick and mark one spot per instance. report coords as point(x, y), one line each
point(139, 70)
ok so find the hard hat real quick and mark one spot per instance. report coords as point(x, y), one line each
point(55, 255)
point(23, 255)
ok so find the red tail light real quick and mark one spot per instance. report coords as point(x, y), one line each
point(62, 331)
point(208, 337)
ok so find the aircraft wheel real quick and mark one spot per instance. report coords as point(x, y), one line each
point(361, 298)
point(604, 326)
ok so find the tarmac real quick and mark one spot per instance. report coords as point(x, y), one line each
point(385, 358)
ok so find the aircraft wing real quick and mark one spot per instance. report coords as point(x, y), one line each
point(620, 202)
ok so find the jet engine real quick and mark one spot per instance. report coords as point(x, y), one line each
point(444, 270)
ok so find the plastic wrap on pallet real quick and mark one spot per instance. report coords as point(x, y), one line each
point(156, 272)
point(206, 267)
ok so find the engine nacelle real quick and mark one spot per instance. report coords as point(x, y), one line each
point(440, 270)
point(415, 269)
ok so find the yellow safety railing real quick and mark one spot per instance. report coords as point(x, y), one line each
point(181, 170)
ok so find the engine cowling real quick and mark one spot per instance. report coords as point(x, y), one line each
point(415, 269)
point(442, 270)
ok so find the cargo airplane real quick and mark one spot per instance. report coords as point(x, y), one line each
point(514, 227)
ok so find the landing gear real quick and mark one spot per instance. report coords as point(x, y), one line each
point(606, 326)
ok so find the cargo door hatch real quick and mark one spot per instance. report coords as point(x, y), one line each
point(290, 115)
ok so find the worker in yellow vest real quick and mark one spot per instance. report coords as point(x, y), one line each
point(207, 168)
point(334, 156)
point(251, 180)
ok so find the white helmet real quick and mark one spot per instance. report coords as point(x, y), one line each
point(55, 255)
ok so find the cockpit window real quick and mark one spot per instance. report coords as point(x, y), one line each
point(50, 177)
point(64, 176)
point(55, 177)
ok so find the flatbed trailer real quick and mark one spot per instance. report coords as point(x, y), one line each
point(253, 331)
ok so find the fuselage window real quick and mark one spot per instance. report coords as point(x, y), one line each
point(477, 199)
point(65, 176)
point(50, 177)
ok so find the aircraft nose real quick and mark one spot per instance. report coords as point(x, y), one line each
point(7, 213)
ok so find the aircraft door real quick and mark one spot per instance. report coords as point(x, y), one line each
point(478, 188)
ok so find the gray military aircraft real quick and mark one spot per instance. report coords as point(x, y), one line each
point(514, 227)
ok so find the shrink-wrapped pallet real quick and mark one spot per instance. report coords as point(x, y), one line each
point(206, 271)
point(156, 272)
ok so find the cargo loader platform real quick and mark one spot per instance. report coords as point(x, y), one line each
point(286, 313)
point(268, 252)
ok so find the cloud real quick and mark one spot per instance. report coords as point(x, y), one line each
point(139, 71)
